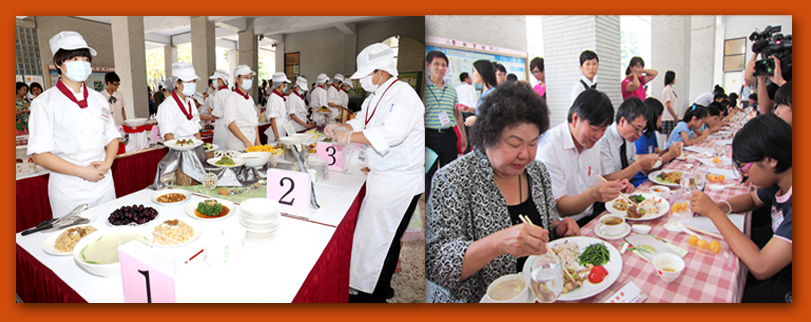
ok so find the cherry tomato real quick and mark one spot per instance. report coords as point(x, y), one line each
point(597, 274)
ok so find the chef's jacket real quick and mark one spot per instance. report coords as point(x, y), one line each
point(318, 98)
point(344, 98)
point(334, 97)
point(77, 135)
point(276, 109)
point(172, 120)
point(242, 112)
point(296, 106)
point(218, 110)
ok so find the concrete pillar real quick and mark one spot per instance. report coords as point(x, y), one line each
point(249, 54)
point(130, 63)
point(702, 48)
point(169, 57)
point(351, 51)
point(280, 51)
point(203, 55)
point(233, 57)
point(670, 50)
point(565, 37)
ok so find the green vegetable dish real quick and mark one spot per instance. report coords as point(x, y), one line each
point(595, 254)
point(225, 160)
point(209, 208)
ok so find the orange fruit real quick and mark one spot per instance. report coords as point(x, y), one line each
point(702, 244)
point(692, 240)
point(715, 247)
point(721, 178)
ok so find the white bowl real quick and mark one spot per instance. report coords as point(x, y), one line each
point(255, 159)
point(110, 269)
point(288, 140)
point(302, 137)
point(520, 297)
point(168, 191)
point(135, 122)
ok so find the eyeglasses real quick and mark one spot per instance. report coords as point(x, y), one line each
point(743, 169)
point(116, 84)
point(639, 129)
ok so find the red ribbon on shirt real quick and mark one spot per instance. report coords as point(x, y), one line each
point(222, 87)
point(297, 94)
point(245, 95)
point(369, 118)
point(280, 95)
point(179, 104)
point(66, 91)
point(137, 129)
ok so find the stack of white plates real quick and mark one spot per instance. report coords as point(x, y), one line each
point(261, 218)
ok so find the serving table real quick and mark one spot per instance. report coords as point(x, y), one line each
point(706, 278)
point(307, 262)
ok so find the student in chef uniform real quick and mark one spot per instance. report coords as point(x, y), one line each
point(391, 126)
point(177, 115)
point(344, 93)
point(318, 98)
point(240, 114)
point(334, 101)
point(296, 107)
point(72, 132)
point(277, 110)
point(218, 106)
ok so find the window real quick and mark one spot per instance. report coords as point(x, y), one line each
point(292, 65)
point(28, 61)
point(734, 55)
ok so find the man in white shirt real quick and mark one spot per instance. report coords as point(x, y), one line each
point(114, 98)
point(617, 147)
point(466, 93)
point(177, 116)
point(574, 164)
point(318, 99)
point(589, 64)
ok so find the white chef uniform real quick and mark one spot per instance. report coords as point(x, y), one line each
point(172, 120)
point(396, 131)
point(278, 110)
point(334, 97)
point(317, 99)
point(242, 112)
point(117, 107)
point(77, 135)
point(218, 110)
point(344, 98)
point(296, 106)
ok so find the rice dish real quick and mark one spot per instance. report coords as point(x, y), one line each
point(172, 232)
point(68, 238)
point(26, 167)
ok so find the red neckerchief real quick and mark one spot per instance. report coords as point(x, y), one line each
point(177, 100)
point(369, 118)
point(336, 87)
point(222, 87)
point(239, 91)
point(297, 94)
point(280, 95)
point(66, 91)
point(342, 88)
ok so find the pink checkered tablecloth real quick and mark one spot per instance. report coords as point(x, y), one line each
point(706, 278)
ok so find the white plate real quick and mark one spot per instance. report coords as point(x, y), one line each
point(259, 207)
point(624, 233)
point(157, 217)
point(37, 172)
point(198, 230)
point(653, 177)
point(190, 207)
point(171, 144)
point(213, 147)
point(614, 267)
point(168, 191)
point(49, 245)
point(664, 207)
point(237, 162)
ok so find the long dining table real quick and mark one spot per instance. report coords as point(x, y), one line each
point(707, 277)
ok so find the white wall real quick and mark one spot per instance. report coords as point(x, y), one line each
point(670, 50)
point(98, 36)
point(500, 31)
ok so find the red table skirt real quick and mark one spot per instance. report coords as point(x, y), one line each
point(328, 281)
point(262, 137)
point(130, 174)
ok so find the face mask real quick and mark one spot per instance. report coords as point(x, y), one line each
point(366, 83)
point(188, 89)
point(78, 71)
point(301, 92)
point(247, 83)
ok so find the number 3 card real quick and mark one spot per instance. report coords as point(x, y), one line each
point(332, 153)
point(291, 190)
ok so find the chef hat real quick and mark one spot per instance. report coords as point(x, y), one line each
point(338, 78)
point(302, 83)
point(321, 79)
point(243, 70)
point(69, 40)
point(184, 71)
point(199, 98)
point(169, 83)
point(375, 56)
point(220, 73)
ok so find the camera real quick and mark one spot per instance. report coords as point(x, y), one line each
point(771, 42)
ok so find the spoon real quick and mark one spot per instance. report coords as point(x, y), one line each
point(678, 227)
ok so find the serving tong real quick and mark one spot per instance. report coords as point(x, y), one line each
point(72, 218)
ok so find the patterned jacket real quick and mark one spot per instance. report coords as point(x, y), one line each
point(465, 206)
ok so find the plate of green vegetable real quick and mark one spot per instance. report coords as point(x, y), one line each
point(591, 252)
point(211, 209)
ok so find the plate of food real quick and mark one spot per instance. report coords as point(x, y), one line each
point(181, 145)
point(175, 232)
point(579, 255)
point(135, 215)
point(324, 109)
point(62, 242)
point(226, 162)
point(171, 197)
point(667, 178)
point(210, 209)
point(210, 147)
point(647, 207)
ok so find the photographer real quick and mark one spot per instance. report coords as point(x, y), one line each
point(775, 66)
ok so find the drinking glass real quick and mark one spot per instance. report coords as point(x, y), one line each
point(720, 150)
point(688, 182)
point(546, 278)
point(701, 173)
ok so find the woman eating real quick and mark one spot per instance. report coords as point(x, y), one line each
point(648, 143)
point(761, 151)
point(474, 232)
point(685, 130)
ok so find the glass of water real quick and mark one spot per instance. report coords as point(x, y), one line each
point(546, 277)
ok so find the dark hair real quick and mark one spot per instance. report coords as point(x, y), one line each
point(714, 109)
point(670, 76)
point(210, 81)
point(733, 96)
point(436, 54)
point(510, 104)
point(500, 67)
point(36, 85)
point(699, 111)
point(719, 95)
point(486, 71)
point(764, 136)
point(718, 89)
point(62, 55)
point(160, 87)
point(111, 77)
point(630, 109)
point(20, 85)
point(536, 62)
point(655, 109)
point(463, 76)
point(593, 106)
point(588, 55)
point(634, 60)
point(783, 95)
point(753, 96)
point(512, 78)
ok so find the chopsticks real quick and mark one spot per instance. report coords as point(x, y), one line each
point(527, 221)
point(701, 231)
point(621, 194)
